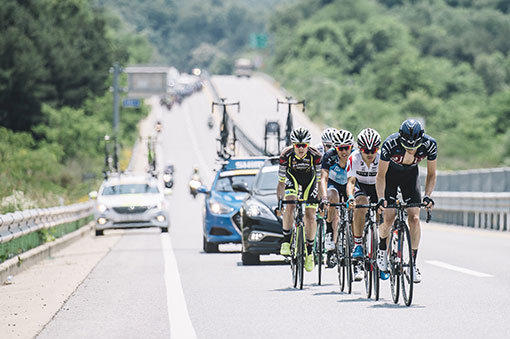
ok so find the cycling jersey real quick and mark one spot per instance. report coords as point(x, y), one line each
point(330, 163)
point(357, 168)
point(301, 173)
point(320, 148)
point(394, 152)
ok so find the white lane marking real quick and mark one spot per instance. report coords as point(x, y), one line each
point(458, 269)
point(180, 323)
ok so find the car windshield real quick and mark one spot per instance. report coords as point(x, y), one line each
point(267, 180)
point(129, 189)
point(225, 184)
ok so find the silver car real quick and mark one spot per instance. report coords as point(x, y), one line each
point(131, 201)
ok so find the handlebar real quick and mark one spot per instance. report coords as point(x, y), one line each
point(293, 202)
point(290, 101)
point(338, 204)
point(403, 206)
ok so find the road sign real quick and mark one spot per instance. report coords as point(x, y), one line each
point(131, 103)
point(258, 40)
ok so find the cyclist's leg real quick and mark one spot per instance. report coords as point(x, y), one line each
point(332, 220)
point(311, 193)
point(288, 215)
point(358, 224)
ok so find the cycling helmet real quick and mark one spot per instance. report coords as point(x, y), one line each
point(300, 135)
point(327, 135)
point(368, 139)
point(411, 133)
point(343, 137)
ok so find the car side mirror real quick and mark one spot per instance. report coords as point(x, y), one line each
point(202, 189)
point(241, 187)
point(93, 195)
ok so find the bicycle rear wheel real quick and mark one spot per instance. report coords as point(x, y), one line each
point(301, 256)
point(340, 250)
point(395, 264)
point(407, 267)
point(367, 264)
point(373, 261)
point(293, 258)
point(320, 248)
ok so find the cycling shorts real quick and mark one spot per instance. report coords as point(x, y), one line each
point(408, 182)
point(366, 190)
point(341, 189)
point(308, 191)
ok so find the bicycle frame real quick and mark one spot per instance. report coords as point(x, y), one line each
point(289, 125)
point(224, 152)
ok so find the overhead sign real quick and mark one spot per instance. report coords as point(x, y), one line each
point(147, 80)
point(131, 103)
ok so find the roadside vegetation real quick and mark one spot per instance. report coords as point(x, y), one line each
point(55, 106)
point(374, 63)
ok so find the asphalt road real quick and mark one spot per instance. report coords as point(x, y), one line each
point(135, 290)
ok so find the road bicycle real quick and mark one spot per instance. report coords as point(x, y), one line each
point(319, 248)
point(344, 245)
point(225, 150)
point(400, 254)
point(289, 126)
point(370, 242)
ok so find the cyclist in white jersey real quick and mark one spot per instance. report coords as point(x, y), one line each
point(327, 142)
point(361, 172)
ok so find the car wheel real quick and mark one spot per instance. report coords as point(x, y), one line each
point(99, 233)
point(250, 258)
point(210, 247)
point(164, 229)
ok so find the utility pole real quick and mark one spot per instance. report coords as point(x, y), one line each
point(116, 70)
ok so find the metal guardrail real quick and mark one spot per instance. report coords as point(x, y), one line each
point(490, 210)
point(16, 224)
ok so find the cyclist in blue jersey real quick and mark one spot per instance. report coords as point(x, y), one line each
point(333, 183)
point(398, 167)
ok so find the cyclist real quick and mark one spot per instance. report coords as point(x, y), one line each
point(333, 181)
point(327, 143)
point(299, 175)
point(400, 154)
point(361, 172)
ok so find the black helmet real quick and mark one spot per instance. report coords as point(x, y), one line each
point(411, 133)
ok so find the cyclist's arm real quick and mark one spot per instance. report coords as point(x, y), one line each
point(351, 182)
point(430, 182)
point(280, 190)
point(380, 179)
point(324, 182)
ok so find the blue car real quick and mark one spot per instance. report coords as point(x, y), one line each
point(222, 220)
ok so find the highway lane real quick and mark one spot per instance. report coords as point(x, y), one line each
point(125, 296)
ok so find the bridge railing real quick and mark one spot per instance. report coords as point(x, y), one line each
point(16, 224)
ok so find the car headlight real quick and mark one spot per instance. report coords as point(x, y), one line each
point(166, 177)
point(101, 208)
point(258, 209)
point(219, 208)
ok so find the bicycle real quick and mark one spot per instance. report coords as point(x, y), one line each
point(400, 254)
point(344, 245)
point(298, 243)
point(289, 125)
point(223, 151)
point(370, 241)
point(319, 246)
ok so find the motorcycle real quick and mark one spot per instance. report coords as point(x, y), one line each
point(168, 180)
point(194, 184)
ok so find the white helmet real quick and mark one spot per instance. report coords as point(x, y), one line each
point(343, 137)
point(327, 135)
point(369, 139)
point(300, 135)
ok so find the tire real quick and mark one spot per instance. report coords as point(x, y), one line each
point(320, 249)
point(340, 250)
point(250, 259)
point(293, 258)
point(367, 259)
point(394, 266)
point(99, 233)
point(348, 258)
point(407, 267)
point(164, 229)
point(373, 260)
point(301, 257)
point(209, 247)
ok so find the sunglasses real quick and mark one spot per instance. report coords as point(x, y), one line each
point(369, 151)
point(301, 145)
point(343, 148)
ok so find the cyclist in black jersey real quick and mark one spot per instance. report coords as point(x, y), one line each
point(299, 176)
point(398, 167)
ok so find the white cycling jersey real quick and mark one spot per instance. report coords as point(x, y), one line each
point(320, 148)
point(356, 167)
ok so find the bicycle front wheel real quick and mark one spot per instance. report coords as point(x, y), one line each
point(373, 260)
point(301, 256)
point(320, 249)
point(340, 250)
point(348, 257)
point(367, 264)
point(293, 258)
point(394, 259)
point(407, 267)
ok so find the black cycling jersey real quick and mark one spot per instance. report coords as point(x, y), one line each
point(394, 152)
point(304, 172)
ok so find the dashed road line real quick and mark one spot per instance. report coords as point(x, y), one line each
point(458, 269)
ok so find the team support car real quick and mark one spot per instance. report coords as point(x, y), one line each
point(221, 223)
point(261, 228)
point(131, 201)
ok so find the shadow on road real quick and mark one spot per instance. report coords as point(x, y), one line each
point(395, 306)
point(265, 263)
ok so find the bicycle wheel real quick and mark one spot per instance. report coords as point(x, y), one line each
point(293, 258)
point(367, 256)
point(340, 250)
point(407, 267)
point(320, 248)
point(394, 263)
point(373, 260)
point(348, 258)
point(301, 256)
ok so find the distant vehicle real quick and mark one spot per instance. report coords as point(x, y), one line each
point(261, 228)
point(131, 201)
point(243, 68)
point(168, 175)
point(222, 202)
